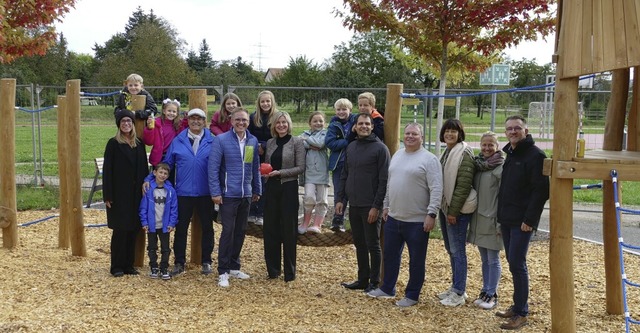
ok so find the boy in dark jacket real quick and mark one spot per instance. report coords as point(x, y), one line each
point(134, 86)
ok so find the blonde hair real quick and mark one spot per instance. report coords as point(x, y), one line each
point(369, 97)
point(177, 120)
point(491, 135)
point(257, 119)
point(223, 108)
point(277, 116)
point(121, 138)
point(135, 78)
point(343, 102)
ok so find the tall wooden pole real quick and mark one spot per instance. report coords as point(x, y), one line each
point(138, 102)
point(561, 210)
point(197, 99)
point(74, 176)
point(613, 133)
point(393, 116)
point(633, 135)
point(8, 202)
point(63, 162)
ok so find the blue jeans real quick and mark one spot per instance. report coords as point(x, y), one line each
point(396, 234)
point(455, 241)
point(516, 246)
point(491, 269)
point(233, 214)
point(337, 186)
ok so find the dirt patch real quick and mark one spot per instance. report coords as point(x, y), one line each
point(45, 289)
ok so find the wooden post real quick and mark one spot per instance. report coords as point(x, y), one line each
point(393, 116)
point(8, 202)
point(63, 161)
point(561, 210)
point(74, 177)
point(613, 133)
point(197, 99)
point(138, 102)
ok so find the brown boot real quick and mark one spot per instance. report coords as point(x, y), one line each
point(505, 314)
point(514, 323)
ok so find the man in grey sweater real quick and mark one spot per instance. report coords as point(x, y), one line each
point(414, 192)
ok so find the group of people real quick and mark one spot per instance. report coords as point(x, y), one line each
point(196, 169)
point(485, 199)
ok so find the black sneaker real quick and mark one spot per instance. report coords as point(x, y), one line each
point(154, 273)
point(177, 269)
point(164, 273)
point(337, 224)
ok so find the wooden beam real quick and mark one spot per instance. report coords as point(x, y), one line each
point(577, 170)
point(197, 99)
point(8, 202)
point(63, 158)
point(561, 209)
point(392, 116)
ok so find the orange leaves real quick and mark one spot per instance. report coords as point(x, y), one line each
point(26, 26)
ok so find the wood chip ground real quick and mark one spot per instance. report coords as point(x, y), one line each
point(45, 289)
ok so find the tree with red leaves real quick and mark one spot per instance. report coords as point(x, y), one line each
point(459, 34)
point(26, 26)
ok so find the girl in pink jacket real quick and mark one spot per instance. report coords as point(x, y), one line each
point(160, 131)
point(220, 121)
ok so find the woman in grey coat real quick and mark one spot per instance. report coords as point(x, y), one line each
point(484, 230)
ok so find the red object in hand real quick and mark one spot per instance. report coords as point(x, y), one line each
point(265, 168)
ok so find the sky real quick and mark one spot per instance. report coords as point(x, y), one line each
point(265, 33)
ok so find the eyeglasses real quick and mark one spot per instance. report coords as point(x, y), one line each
point(514, 129)
point(126, 121)
point(241, 120)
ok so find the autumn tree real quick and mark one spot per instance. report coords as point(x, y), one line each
point(448, 33)
point(26, 26)
point(300, 72)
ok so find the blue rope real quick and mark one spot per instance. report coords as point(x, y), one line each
point(38, 221)
point(99, 94)
point(95, 225)
point(405, 95)
point(36, 111)
point(587, 186)
point(627, 319)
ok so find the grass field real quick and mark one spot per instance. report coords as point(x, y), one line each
point(97, 126)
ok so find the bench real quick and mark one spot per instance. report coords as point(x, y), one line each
point(98, 187)
point(95, 187)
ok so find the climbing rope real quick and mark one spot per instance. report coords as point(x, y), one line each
point(621, 244)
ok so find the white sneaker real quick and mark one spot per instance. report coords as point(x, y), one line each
point(480, 298)
point(251, 219)
point(259, 221)
point(489, 302)
point(302, 230)
point(314, 230)
point(223, 280)
point(453, 300)
point(238, 274)
point(445, 294)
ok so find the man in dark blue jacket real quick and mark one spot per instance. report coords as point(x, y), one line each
point(523, 193)
point(234, 182)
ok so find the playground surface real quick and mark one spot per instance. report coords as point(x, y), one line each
point(46, 289)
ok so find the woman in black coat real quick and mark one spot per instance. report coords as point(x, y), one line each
point(124, 169)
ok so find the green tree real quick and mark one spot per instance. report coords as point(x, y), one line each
point(446, 33)
point(526, 73)
point(201, 61)
point(153, 51)
point(300, 72)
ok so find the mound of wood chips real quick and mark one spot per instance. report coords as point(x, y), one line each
point(45, 289)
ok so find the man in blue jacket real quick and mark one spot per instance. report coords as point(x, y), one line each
point(234, 181)
point(188, 154)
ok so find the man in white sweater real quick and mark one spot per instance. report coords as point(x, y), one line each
point(414, 192)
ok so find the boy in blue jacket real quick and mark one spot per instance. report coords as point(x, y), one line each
point(159, 215)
